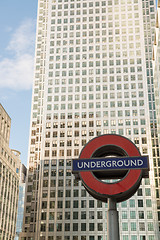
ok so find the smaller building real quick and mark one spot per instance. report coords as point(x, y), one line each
point(23, 173)
point(9, 180)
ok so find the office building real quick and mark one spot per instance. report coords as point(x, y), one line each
point(9, 179)
point(93, 76)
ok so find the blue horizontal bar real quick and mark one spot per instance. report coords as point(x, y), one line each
point(116, 163)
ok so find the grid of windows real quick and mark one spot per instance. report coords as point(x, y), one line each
point(91, 71)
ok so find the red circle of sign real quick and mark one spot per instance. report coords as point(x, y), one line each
point(118, 188)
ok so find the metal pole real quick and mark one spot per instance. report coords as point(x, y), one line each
point(112, 221)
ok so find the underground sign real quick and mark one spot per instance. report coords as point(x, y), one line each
point(111, 156)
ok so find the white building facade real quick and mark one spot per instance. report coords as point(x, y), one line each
point(156, 69)
point(93, 76)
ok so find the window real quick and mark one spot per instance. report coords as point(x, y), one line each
point(61, 162)
point(150, 226)
point(83, 226)
point(51, 227)
point(124, 204)
point(148, 203)
point(83, 204)
point(67, 204)
point(140, 203)
point(60, 204)
point(45, 183)
point(75, 204)
point(68, 182)
point(51, 216)
point(52, 204)
point(132, 214)
point(125, 226)
point(149, 215)
point(60, 182)
point(132, 203)
point(141, 214)
point(133, 226)
point(83, 215)
point(99, 204)
point(91, 237)
point(143, 237)
point(124, 214)
point(139, 192)
point(43, 215)
point(43, 227)
point(147, 191)
point(83, 193)
point(69, 143)
point(75, 215)
point(133, 237)
point(91, 203)
point(141, 226)
point(99, 215)
point(125, 237)
point(67, 226)
point(59, 227)
point(91, 214)
point(75, 226)
point(52, 194)
point(91, 226)
point(75, 193)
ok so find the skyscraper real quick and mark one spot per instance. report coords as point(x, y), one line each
point(93, 76)
point(156, 63)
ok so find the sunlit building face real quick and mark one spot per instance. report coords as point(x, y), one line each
point(93, 76)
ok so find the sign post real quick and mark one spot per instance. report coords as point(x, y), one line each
point(112, 221)
point(111, 156)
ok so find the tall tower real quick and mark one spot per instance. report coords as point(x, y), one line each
point(156, 69)
point(93, 76)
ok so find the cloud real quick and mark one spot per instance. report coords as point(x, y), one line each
point(16, 70)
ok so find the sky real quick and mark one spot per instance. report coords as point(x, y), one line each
point(17, 46)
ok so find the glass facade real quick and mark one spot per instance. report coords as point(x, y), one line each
point(20, 210)
point(22, 185)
